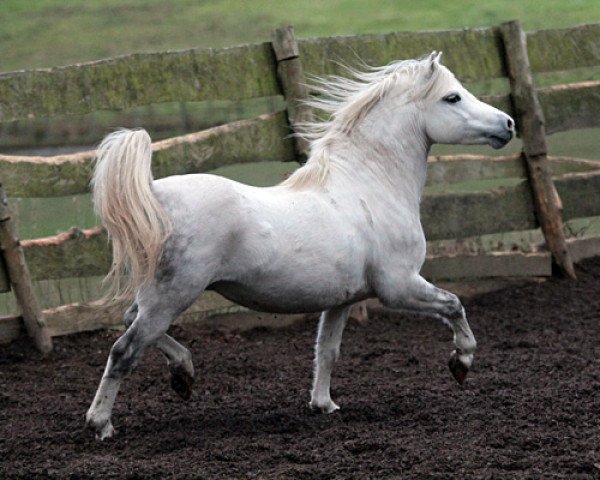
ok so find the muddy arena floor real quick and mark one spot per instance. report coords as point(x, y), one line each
point(529, 409)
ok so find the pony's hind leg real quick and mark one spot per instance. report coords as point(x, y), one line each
point(327, 350)
point(152, 321)
point(179, 358)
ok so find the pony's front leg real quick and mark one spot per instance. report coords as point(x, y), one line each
point(327, 350)
point(420, 296)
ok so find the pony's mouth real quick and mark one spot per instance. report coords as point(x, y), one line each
point(498, 141)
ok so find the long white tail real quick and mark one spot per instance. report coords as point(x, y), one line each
point(135, 220)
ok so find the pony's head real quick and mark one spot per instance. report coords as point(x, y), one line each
point(451, 114)
point(398, 106)
point(444, 109)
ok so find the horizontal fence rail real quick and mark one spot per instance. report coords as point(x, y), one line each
point(564, 48)
point(443, 170)
point(472, 54)
point(260, 139)
point(566, 107)
point(236, 73)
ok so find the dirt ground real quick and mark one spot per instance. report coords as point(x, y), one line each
point(529, 409)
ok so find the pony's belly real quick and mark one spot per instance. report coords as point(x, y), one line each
point(288, 300)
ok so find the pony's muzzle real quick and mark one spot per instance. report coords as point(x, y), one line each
point(499, 140)
point(504, 134)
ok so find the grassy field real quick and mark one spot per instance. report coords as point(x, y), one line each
point(43, 33)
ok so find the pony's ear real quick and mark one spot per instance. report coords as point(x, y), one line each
point(434, 61)
point(434, 57)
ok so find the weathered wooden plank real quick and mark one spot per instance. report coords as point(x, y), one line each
point(76, 253)
point(449, 169)
point(472, 54)
point(564, 48)
point(460, 215)
point(494, 264)
point(293, 84)
point(582, 248)
point(580, 194)
point(11, 328)
point(260, 139)
point(571, 106)
point(247, 71)
point(265, 138)
point(210, 308)
point(20, 280)
point(530, 118)
point(563, 165)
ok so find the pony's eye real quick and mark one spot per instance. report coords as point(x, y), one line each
point(452, 98)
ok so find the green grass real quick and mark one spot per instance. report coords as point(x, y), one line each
point(44, 33)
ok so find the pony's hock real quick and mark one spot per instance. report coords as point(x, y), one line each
point(361, 186)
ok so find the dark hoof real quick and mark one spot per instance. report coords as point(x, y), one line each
point(458, 369)
point(182, 382)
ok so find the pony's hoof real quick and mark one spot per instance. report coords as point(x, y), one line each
point(182, 382)
point(102, 430)
point(459, 366)
point(323, 407)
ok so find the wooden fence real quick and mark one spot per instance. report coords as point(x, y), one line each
point(550, 190)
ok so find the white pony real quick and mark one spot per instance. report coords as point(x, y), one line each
point(343, 228)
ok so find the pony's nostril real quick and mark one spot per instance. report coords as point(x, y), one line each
point(510, 124)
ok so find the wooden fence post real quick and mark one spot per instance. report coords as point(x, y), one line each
point(20, 279)
point(530, 122)
point(293, 83)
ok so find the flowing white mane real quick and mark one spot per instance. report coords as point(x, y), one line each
point(347, 100)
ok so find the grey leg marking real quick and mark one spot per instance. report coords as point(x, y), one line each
point(147, 328)
point(179, 358)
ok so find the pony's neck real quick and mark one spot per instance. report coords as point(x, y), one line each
point(387, 152)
